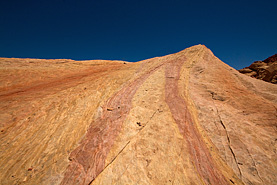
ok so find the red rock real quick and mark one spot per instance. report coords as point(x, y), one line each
point(185, 118)
point(265, 70)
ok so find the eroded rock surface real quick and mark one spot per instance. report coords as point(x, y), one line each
point(185, 118)
point(265, 70)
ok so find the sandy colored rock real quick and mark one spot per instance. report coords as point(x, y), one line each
point(185, 118)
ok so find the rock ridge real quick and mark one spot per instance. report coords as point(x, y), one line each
point(184, 118)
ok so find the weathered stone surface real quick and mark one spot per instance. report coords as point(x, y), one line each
point(185, 118)
point(265, 70)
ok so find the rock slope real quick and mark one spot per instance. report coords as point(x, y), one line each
point(265, 70)
point(185, 118)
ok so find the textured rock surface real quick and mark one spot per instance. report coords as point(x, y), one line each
point(265, 70)
point(185, 118)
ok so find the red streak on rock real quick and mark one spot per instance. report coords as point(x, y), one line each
point(59, 82)
point(178, 107)
point(88, 159)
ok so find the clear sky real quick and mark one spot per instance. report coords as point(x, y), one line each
point(238, 32)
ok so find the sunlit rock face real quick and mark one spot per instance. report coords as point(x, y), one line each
point(265, 70)
point(185, 118)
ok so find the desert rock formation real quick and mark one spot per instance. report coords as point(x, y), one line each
point(265, 70)
point(184, 118)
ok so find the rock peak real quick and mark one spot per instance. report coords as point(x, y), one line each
point(185, 118)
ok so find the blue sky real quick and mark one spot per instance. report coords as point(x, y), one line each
point(238, 32)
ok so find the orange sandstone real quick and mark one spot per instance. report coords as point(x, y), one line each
point(185, 118)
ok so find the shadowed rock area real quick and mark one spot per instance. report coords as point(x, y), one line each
point(265, 70)
point(184, 118)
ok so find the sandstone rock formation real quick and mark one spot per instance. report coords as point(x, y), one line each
point(185, 118)
point(265, 70)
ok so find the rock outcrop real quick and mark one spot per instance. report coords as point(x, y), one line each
point(185, 118)
point(265, 70)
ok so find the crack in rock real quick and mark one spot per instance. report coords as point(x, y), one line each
point(228, 138)
point(124, 147)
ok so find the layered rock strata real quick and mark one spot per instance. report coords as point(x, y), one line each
point(185, 118)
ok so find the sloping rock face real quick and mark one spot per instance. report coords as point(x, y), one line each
point(185, 118)
point(265, 70)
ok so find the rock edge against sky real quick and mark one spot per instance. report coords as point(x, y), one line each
point(184, 118)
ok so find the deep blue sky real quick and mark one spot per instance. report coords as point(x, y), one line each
point(238, 32)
